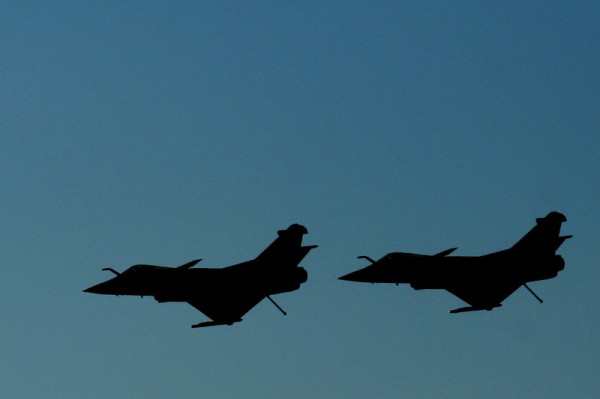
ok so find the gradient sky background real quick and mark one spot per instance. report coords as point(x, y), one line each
point(161, 132)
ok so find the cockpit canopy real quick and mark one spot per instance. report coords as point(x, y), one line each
point(401, 255)
point(138, 268)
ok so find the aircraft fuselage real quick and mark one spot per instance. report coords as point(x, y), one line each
point(174, 285)
point(431, 272)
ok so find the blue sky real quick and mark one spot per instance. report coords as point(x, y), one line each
point(147, 132)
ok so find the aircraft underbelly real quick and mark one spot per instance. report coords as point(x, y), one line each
point(445, 276)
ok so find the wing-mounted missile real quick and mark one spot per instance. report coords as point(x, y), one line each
point(214, 323)
point(473, 309)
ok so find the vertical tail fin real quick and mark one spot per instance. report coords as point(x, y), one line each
point(287, 248)
point(545, 237)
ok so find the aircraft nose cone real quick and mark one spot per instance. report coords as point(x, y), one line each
point(95, 289)
point(106, 288)
point(354, 276)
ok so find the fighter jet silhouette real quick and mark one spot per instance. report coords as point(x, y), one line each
point(224, 295)
point(483, 282)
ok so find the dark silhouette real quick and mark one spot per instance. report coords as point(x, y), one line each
point(224, 295)
point(481, 281)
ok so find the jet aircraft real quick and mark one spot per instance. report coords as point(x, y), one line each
point(483, 282)
point(224, 295)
